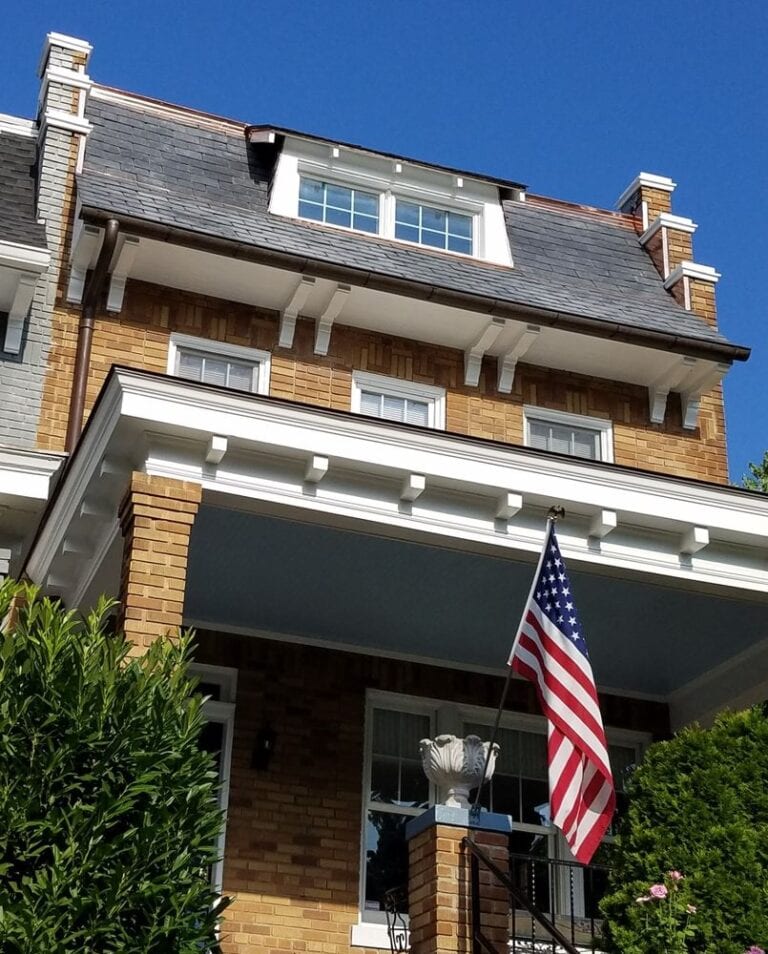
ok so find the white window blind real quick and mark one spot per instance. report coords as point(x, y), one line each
point(564, 439)
point(392, 407)
point(217, 369)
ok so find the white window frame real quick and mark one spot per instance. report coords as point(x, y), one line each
point(429, 394)
point(603, 427)
point(221, 349)
point(439, 205)
point(450, 717)
point(221, 711)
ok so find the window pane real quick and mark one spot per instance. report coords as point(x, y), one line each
point(406, 232)
point(459, 245)
point(460, 225)
point(370, 403)
point(385, 779)
point(560, 439)
point(585, 444)
point(433, 219)
point(240, 376)
point(433, 239)
point(214, 371)
point(538, 435)
point(338, 197)
point(393, 408)
point(365, 223)
point(338, 217)
point(407, 213)
point(563, 439)
point(189, 365)
point(310, 211)
point(386, 854)
point(417, 412)
point(367, 203)
point(414, 785)
point(311, 189)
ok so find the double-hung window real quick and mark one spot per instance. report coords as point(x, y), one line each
point(339, 205)
point(395, 400)
point(219, 363)
point(563, 433)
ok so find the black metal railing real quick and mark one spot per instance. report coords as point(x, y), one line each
point(552, 904)
point(395, 903)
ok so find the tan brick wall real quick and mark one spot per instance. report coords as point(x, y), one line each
point(156, 518)
point(658, 201)
point(655, 248)
point(139, 337)
point(679, 247)
point(703, 300)
point(292, 855)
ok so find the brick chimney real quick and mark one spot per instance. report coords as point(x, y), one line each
point(668, 240)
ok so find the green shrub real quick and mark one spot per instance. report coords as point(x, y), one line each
point(698, 804)
point(108, 815)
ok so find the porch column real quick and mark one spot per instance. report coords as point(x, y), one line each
point(156, 516)
point(440, 885)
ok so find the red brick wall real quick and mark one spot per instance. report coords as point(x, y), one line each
point(293, 836)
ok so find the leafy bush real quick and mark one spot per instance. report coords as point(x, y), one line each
point(108, 815)
point(698, 804)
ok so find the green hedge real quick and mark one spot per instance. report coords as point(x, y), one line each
point(108, 816)
point(698, 804)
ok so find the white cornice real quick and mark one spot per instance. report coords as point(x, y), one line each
point(27, 475)
point(16, 125)
point(69, 78)
point(647, 180)
point(666, 221)
point(58, 119)
point(27, 258)
point(702, 273)
point(165, 425)
point(65, 42)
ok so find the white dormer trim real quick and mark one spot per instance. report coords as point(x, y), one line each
point(388, 180)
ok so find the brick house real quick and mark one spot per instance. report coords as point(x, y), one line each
point(315, 401)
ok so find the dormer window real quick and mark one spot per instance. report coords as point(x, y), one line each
point(437, 228)
point(337, 205)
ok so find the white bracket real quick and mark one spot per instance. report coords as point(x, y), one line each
point(325, 322)
point(291, 311)
point(414, 486)
point(602, 524)
point(693, 540)
point(473, 356)
point(317, 468)
point(85, 243)
point(112, 467)
point(22, 299)
point(79, 548)
point(96, 507)
point(668, 380)
point(694, 387)
point(217, 448)
point(507, 363)
point(123, 263)
point(507, 505)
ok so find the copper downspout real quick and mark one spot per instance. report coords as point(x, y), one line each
point(85, 334)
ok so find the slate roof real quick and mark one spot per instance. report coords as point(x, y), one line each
point(204, 178)
point(18, 221)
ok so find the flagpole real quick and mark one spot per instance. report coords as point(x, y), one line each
point(554, 514)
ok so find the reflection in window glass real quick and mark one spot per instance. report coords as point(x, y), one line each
point(437, 228)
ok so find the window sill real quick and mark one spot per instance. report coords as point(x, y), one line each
point(368, 934)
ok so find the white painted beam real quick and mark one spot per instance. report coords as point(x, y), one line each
point(85, 244)
point(22, 299)
point(325, 322)
point(414, 486)
point(507, 363)
point(473, 356)
point(121, 270)
point(507, 505)
point(292, 310)
point(602, 524)
point(317, 468)
point(217, 448)
point(693, 540)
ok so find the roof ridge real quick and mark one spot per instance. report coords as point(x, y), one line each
point(161, 107)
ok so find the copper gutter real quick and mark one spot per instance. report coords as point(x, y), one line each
point(91, 300)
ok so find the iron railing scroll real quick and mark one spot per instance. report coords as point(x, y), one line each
point(395, 908)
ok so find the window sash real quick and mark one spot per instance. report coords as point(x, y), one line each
point(433, 227)
point(560, 438)
point(344, 206)
point(209, 367)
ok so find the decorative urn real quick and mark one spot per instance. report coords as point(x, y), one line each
point(455, 766)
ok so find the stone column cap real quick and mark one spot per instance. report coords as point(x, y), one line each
point(459, 818)
point(63, 41)
point(645, 180)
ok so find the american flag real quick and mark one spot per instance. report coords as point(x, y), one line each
point(550, 651)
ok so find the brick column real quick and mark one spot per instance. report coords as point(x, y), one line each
point(439, 882)
point(156, 517)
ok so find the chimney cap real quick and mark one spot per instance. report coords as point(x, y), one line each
point(63, 41)
point(645, 180)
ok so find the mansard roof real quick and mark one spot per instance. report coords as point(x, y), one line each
point(192, 173)
point(18, 219)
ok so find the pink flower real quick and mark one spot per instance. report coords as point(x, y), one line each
point(754, 950)
point(675, 876)
point(690, 909)
point(658, 891)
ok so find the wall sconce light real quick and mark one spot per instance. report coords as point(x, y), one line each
point(263, 747)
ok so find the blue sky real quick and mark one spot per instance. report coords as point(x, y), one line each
point(572, 98)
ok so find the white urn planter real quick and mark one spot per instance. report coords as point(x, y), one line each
point(455, 766)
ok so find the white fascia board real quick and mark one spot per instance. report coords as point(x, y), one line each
point(25, 257)
point(27, 475)
point(664, 220)
point(648, 180)
point(703, 273)
point(17, 126)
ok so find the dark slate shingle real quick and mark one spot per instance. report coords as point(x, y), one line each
point(212, 182)
point(18, 221)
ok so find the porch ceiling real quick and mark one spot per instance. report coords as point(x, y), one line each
point(265, 575)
